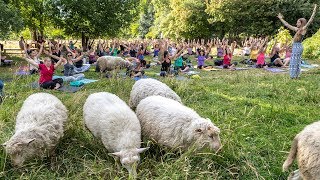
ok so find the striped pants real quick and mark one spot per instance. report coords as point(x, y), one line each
point(295, 60)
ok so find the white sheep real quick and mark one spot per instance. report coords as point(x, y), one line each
point(111, 120)
point(39, 126)
point(305, 147)
point(112, 63)
point(176, 126)
point(150, 87)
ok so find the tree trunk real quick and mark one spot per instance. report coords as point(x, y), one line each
point(34, 35)
point(84, 40)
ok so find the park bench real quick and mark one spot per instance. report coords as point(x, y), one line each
point(14, 50)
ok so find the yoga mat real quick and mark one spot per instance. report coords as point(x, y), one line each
point(192, 72)
point(237, 68)
point(309, 65)
point(138, 78)
point(275, 70)
point(181, 78)
point(85, 81)
point(70, 89)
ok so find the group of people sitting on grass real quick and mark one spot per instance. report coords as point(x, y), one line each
point(173, 57)
point(256, 49)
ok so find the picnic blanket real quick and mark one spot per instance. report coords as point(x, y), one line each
point(69, 89)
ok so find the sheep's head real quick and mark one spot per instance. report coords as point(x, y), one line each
point(206, 134)
point(129, 65)
point(18, 150)
point(130, 159)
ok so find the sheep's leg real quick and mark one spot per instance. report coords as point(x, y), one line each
point(292, 154)
point(295, 175)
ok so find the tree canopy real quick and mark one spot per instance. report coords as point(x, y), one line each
point(177, 19)
point(10, 20)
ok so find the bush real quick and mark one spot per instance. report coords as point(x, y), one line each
point(312, 47)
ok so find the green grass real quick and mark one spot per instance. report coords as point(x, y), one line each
point(258, 113)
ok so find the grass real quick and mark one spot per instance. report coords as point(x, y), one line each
point(258, 112)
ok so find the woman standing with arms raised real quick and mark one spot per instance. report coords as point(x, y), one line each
point(297, 47)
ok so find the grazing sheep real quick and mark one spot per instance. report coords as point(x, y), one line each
point(112, 63)
point(174, 125)
point(305, 147)
point(150, 87)
point(111, 120)
point(39, 126)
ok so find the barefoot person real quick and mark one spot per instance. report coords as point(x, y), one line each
point(297, 47)
point(46, 73)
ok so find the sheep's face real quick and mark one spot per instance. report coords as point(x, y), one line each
point(18, 150)
point(130, 159)
point(207, 134)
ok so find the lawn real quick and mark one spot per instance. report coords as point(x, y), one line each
point(258, 112)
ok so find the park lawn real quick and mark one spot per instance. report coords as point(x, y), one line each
point(258, 112)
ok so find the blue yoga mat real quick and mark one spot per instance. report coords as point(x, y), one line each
point(84, 81)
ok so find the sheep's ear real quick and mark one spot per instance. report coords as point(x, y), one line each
point(141, 150)
point(4, 144)
point(115, 154)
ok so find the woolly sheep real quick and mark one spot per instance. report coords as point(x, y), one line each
point(176, 126)
point(39, 126)
point(150, 87)
point(111, 120)
point(111, 63)
point(305, 147)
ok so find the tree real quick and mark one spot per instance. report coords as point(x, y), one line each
point(10, 20)
point(253, 17)
point(182, 18)
point(92, 18)
point(146, 20)
point(34, 15)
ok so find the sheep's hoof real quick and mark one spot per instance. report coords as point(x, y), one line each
point(295, 175)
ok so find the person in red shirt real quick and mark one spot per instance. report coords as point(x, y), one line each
point(46, 73)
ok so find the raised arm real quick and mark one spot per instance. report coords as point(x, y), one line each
point(51, 55)
point(61, 60)
point(40, 51)
point(31, 61)
point(78, 58)
point(280, 16)
point(312, 17)
point(69, 50)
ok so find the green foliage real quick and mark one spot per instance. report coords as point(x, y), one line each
point(91, 18)
point(134, 29)
point(283, 36)
point(146, 20)
point(312, 47)
point(26, 33)
point(10, 20)
point(257, 17)
point(54, 33)
point(184, 19)
point(34, 14)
